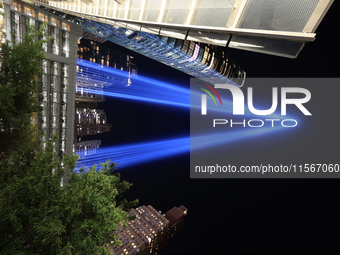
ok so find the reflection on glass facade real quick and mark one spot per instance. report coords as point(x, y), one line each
point(196, 59)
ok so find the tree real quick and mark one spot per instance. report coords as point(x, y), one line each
point(39, 215)
point(20, 66)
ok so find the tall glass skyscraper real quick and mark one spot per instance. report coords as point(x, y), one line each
point(274, 27)
point(199, 60)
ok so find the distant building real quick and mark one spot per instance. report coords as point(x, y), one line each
point(89, 90)
point(57, 92)
point(90, 121)
point(90, 84)
point(86, 148)
point(148, 233)
point(95, 51)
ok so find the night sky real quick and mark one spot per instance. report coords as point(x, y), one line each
point(232, 216)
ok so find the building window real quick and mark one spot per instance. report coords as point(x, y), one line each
point(42, 17)
point(65, 43)
point(65, 70)
point(44, 66)
point(54, 42)
point(65, 26)
point(54, 22)
point(29, 11)
point(15, 6)
point(14, 24)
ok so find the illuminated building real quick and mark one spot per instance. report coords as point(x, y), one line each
point(86, 148)
point(90, 86)
point(201, 60)
point(89, 90)
point(90, 122)
point(95, 51)
point(149, 231)
point(196, 59)
point(274, 27)
point(176, 217)
point(57, 92)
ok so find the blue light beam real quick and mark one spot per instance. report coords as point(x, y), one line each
point(150, 90)
point(129, 155)
point(145, 89)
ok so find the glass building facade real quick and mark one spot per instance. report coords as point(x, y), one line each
point(199, 60)
point(274, 27)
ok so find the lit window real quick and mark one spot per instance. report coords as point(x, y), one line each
point(54, 22)
point(16, 6)
point(29, 11)
point(65, 26)
point(41, 16)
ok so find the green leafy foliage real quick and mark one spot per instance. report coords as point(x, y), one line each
point(20, 66)
point(40, 216)
point(39, 213)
